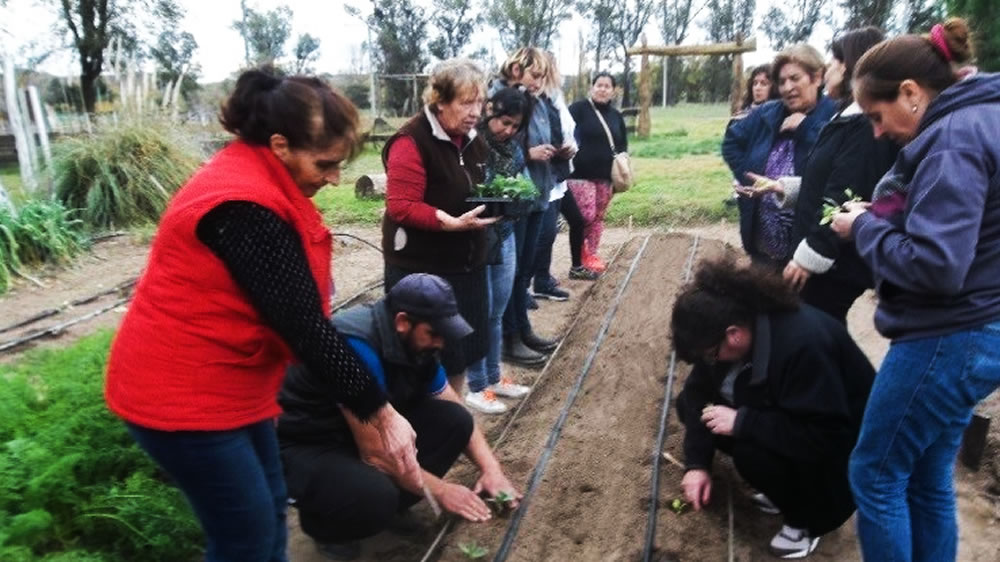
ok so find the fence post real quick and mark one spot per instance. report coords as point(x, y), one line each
point(736, 88)
point(25, 164)
point(644, 94)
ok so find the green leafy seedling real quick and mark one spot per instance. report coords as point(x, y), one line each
point(518, 187)
point(472, 550)
point(500, 503)
point(679, 506)
point(831, 207)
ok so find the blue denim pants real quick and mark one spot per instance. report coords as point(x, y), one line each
point(233, 481)
point(901, 469)
point(500, 281)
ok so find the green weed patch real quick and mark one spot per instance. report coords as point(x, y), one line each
point(73, 484)
point(43, 231)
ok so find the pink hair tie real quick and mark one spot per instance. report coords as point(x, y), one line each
point(939, 42)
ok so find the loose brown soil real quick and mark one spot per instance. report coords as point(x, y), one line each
point(592, 501)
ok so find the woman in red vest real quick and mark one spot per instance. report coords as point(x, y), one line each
point(237, 284)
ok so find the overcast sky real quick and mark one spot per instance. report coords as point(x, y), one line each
point(220, 48)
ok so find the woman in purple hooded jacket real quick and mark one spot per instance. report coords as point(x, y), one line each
point(932, 238)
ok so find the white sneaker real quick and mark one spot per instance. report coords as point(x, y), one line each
point(508, 389)
point(764, 504)
point(791, 543)
point(485, 401)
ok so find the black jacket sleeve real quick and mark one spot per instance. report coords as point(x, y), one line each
point(265, 257)
point(699, 443)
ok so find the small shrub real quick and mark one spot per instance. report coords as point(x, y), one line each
point(42, 232)
point(124, 175)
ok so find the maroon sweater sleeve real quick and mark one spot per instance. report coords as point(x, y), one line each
point(406, 183)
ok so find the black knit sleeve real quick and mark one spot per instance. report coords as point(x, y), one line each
point(265, 257)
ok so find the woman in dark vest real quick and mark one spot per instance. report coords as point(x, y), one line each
point(433, 164)
point(237, 285)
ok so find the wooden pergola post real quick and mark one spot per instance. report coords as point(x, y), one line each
point(736, 88)
point(644, 124)
point(735, 48)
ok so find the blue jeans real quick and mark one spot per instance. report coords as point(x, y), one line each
point(500, 281)
point(234, 483)
point(901, 470)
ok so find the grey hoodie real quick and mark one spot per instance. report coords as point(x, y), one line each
point(937, 264)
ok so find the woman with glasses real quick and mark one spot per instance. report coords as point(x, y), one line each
point(779, 386)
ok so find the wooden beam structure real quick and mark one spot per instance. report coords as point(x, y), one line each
point(736, 48)
point(686, 50)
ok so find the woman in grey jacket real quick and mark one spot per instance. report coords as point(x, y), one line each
point(932, 238)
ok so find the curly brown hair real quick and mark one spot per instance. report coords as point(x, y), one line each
point(724, 294)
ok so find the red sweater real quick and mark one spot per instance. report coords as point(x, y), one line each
point(192, 353)
point(406, 182)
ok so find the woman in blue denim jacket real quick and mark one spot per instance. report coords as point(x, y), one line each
point(932, 238)
point(775, 140)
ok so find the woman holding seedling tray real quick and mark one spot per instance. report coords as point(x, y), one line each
point(432, 165)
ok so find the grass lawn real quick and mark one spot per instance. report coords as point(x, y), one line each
point(10, 178)
point(681, 178)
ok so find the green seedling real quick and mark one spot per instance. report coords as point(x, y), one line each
point(831, 207)
point(500, 503)
point(679, 506)
point(518, 187)
point(472, 550)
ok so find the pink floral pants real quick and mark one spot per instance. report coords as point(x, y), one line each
point(593, 198)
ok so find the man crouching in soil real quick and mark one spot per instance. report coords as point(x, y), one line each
point(778, 385)
point(342, 493)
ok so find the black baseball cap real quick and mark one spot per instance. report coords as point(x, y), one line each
point(430, 298)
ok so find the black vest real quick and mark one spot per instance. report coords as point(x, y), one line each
point(452, 174)
point(310, 412)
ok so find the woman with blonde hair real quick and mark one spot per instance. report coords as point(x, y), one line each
point(432, 164)
point(931, 236)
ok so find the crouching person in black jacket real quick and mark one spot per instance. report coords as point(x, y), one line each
point(779, 386)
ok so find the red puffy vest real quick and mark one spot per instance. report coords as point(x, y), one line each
point(192, 353)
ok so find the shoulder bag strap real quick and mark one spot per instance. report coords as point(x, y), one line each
point(604, 124)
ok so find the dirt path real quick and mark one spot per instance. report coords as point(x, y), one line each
point(591, 504)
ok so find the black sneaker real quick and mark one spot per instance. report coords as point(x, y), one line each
point(530, 302)
point(350, 550)
point(551, 293)
point(537, 343)
point(583, 274)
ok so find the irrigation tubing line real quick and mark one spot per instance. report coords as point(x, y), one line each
point(358, 238)
point(540, 466)
point(661, 436)
point(351, 299)
point(520, 406)
point(55, 330)
point(50, 312)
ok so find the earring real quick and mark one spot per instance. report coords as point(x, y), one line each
point(913, 109)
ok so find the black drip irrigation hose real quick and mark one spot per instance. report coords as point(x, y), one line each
point(517, 412)
point(543, 460)
point(661, 436)
point(358, 238)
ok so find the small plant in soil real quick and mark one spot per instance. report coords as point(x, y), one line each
point(472, 550)
point(679, 506)
point(518, 187)
point(831, 207)
point(500, 503)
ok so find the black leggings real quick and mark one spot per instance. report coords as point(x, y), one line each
point(340, 498)
point(574, 220)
